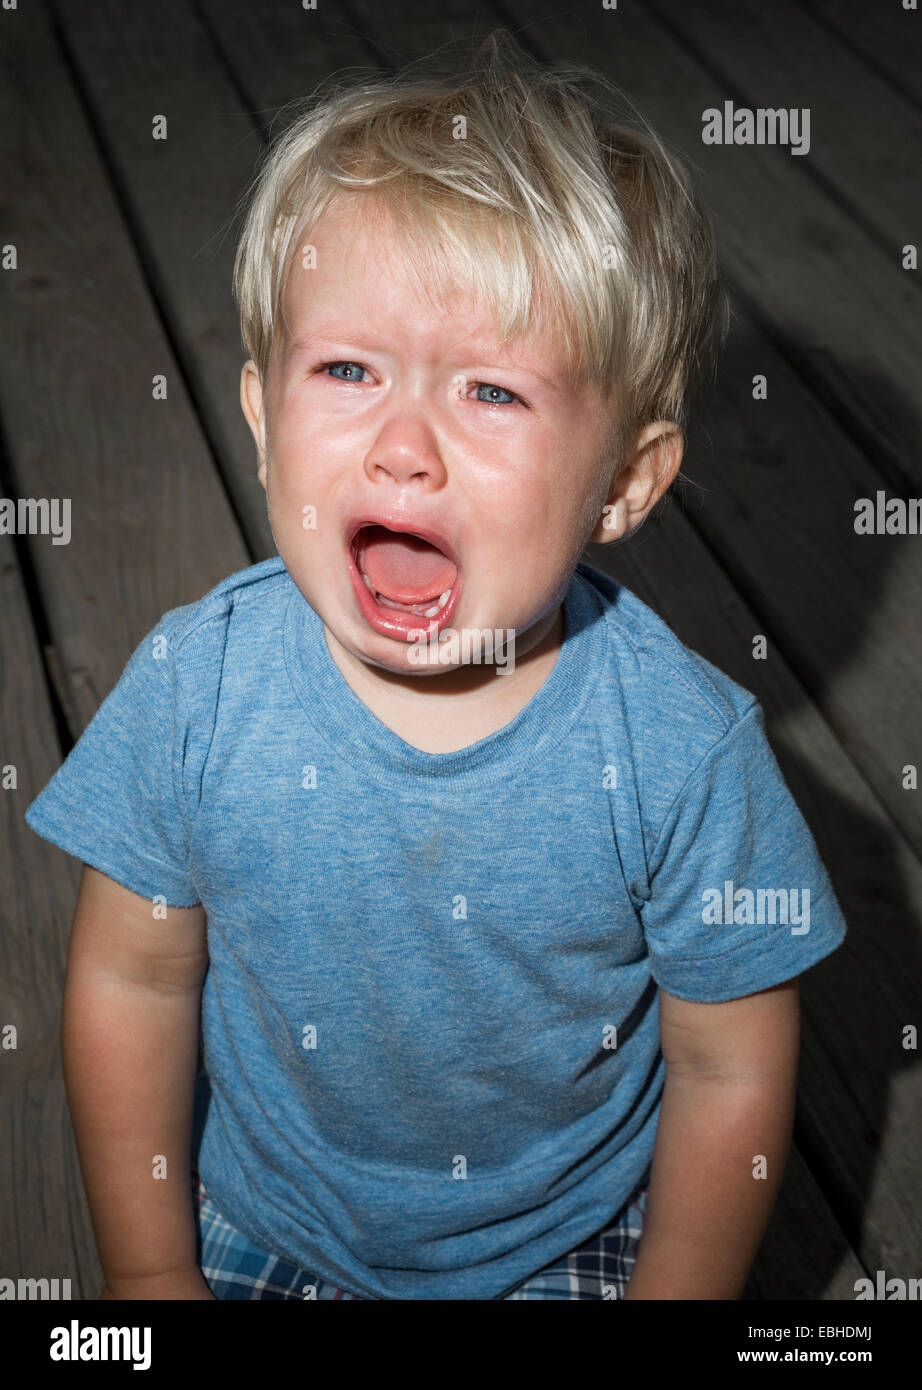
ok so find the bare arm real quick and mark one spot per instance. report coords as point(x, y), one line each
point(129, 1037)
point(731, 1072)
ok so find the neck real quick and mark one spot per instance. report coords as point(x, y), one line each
point(535, 654)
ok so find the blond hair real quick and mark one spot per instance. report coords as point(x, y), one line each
point(512, 181)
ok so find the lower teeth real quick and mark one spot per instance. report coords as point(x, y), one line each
point(409, 607)
point(438, 605)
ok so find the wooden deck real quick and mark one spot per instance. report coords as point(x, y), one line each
point(125, 246)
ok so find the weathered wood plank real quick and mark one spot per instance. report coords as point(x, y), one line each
point(804, 1254)
point(45, 1229)
point(150, 521)
point(887, 37)
point(773, 489)
point(150, 528)
point(179, 195)
point(865, 136)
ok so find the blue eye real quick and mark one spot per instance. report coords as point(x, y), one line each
point(487, 386)
point(352, 367)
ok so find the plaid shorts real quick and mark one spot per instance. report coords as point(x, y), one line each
point(234, 1268)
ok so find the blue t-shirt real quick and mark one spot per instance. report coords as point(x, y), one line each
point(431, 1017)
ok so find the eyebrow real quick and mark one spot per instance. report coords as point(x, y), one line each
point(357, 339)
point(328, 331)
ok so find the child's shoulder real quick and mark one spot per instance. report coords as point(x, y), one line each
point(678, 705)
point(246, 588)
point(657, 665)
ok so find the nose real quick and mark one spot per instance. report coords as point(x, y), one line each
point(406, 450)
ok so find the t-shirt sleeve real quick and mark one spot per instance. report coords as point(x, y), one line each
point(116, 801)
point(739, 898)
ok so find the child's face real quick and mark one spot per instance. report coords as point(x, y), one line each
point(404, 436)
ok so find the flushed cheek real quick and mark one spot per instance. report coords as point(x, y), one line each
point(295, 515)
point(297, 471)
point(527, 535)
point(530, 563)
point(284, 493)
point(513, 583)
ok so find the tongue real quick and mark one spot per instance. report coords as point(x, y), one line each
point(404, 568)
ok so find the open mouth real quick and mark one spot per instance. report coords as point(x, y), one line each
point(404, 583)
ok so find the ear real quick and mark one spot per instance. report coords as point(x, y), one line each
point(251, 403)
point(648, 470)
